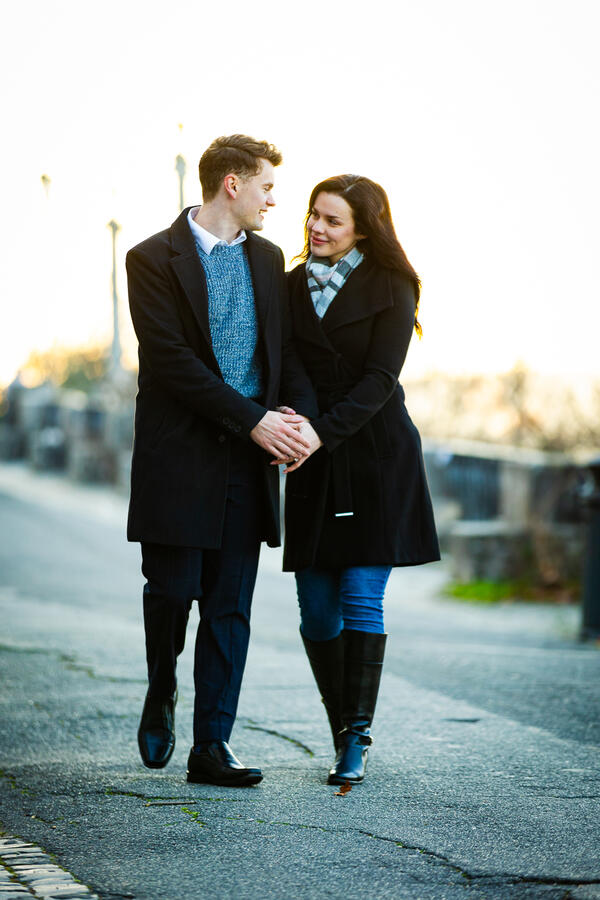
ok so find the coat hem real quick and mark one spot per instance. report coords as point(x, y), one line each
point(343, 565)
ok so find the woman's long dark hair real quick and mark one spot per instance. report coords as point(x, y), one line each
point(373, 218)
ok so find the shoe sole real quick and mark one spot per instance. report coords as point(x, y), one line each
point(155, 765)
point(247, 781)
point(340, 779)
point(151, 764)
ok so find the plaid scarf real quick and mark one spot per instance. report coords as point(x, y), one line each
point(325, 280)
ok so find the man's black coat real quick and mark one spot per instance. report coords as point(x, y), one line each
point(186, 415)
point(371, 464)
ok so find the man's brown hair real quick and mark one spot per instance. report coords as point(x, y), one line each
point(237, 154)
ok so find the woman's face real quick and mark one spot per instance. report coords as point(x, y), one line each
point(331, 227)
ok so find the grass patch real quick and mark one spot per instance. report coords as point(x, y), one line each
point(483, 591)
point(486, 592)
point(194, 816)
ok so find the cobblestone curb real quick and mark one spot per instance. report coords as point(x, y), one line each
point(27, 871)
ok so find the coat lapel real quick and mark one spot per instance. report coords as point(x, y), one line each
point(366, 292)
point(307, 324)
point(190, 274)
point(261, 259)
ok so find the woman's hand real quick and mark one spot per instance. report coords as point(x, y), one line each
point(288, 411)
point(279, 434)
point(314, 442)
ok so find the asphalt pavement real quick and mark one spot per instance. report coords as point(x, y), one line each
point(483, 779)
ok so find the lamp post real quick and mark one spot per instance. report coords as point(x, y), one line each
point(590, 625)
point(115, 356)
point(180, 169)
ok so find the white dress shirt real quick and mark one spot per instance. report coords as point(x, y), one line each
point(205, 238)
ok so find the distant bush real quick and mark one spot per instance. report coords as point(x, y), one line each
point(69, 367)
point(519, 408)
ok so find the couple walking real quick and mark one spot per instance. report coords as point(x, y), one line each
point(240, 372)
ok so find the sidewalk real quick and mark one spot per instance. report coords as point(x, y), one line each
point(461, 799)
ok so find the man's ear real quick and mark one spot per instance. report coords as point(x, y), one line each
point(231, 184)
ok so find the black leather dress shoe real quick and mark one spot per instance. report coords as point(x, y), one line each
point(217, 764)
point(156, 734)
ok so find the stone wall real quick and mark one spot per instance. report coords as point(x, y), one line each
point(502, 512)
point(517, 512)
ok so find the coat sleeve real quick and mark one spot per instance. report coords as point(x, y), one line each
point(171, 359)
point(296, 389)
point(392, 331)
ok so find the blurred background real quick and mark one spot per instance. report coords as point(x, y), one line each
point(479, 119)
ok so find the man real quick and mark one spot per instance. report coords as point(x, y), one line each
point(208, 300)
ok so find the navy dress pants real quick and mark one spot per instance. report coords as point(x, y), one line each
point(222, 581)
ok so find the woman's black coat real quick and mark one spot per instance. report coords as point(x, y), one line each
point(362, 498)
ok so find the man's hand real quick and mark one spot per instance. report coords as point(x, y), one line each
point(294, 416)
point(308, 432)
point(278, 434)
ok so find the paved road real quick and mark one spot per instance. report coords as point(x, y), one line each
point(483, 781)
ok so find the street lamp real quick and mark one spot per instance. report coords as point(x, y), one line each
point(115, 356)
point(180, 169)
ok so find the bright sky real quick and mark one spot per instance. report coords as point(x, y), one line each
point(479, 117)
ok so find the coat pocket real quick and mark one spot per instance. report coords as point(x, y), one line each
point(156, 427)
point(381, 436)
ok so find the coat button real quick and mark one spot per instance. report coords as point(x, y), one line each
point(222, 438)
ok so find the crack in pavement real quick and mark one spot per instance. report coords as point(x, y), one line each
point(12, 781)
point(176, 801)
point(480, 877)
point(112, 896)
point(194, 815)
point(462, 721)
point(115, 792)
point(569, 796)
point(285, 737)
point(70, 662)
point(508, 877)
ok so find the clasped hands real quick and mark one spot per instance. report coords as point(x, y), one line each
point(287, 436)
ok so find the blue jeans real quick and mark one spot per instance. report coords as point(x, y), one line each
point(332, 599)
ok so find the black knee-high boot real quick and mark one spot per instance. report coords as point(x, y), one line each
point(326, 660)
point(363, 663)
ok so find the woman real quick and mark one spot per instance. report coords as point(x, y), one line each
point(359, 504)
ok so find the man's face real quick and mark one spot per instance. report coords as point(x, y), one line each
point(253, 197)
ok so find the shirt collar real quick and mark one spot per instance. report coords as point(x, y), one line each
point(205, 239)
